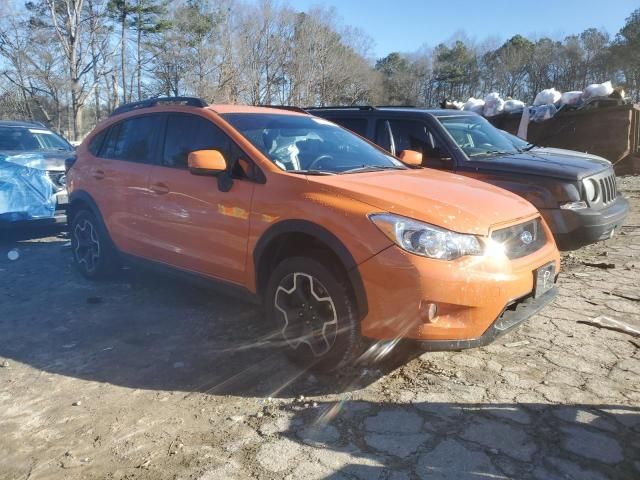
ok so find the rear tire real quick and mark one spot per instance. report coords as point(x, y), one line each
point(314, 314)
point(93, 252)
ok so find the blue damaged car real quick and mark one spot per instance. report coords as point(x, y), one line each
point(32, 174)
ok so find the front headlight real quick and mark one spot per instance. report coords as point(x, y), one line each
point(424, 239)
point(590, 190)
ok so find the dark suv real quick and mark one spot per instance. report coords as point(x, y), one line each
point(575, 192)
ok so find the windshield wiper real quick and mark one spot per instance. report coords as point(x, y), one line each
point(490, 152)
point(312, 172)
point(531, 146)
point(372, 168)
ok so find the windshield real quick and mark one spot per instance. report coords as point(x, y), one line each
point(29, 139)
point(306, 144)
point(519, 143)
point(477, 137)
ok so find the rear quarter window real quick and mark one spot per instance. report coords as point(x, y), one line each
point(97, 141)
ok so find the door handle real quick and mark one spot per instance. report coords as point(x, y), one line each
point(98, 174)
point(160, 188)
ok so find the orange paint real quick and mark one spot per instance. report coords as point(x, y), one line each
point(183, 220)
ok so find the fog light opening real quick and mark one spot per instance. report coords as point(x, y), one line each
point(428, 312)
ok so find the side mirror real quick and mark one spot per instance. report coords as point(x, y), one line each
point(68, 163)
point(206, 162)
point(411, 157)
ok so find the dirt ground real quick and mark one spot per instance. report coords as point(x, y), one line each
point(145, 377)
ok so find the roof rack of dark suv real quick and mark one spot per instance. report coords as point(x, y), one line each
point(396, 106)
point(291, 108)
point(343, 107)
point(152, 102)
point(359, 107)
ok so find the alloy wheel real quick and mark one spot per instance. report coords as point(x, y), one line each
point(87, 245)
point(308, 313)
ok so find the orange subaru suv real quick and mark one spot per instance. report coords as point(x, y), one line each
point(344, 245)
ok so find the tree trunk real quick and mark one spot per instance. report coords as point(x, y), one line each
point(139, 49)
point(123, 51)
point(94, 58)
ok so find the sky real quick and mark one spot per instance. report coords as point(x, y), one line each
point(406, 25)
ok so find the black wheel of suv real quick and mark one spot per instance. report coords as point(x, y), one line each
point(93, 252)
point(314, 314)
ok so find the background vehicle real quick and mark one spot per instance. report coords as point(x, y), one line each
point(32, 174)
point(575, 193)
point(313, 222)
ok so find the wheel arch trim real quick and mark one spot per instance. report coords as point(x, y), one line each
point(82, 197)
point(323, 235)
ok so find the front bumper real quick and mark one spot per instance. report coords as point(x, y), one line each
point(511, 317)
point(471, 294)
point(573, 229)
point(19, 220)
point(59, 218)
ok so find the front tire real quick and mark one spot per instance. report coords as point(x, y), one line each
point(93, 253)
point(314, 314)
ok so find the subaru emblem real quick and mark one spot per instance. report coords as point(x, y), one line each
point(526, 237)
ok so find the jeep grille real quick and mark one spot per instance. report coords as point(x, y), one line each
point(606, 188)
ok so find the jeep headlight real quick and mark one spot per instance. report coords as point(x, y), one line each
point(591, 190)
point(424, 239)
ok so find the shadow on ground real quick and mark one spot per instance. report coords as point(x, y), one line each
point(145, 331)
point(467, 441)
point(142, 330)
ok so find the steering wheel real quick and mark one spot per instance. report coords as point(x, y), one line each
point(318, 160)
point(464, 142)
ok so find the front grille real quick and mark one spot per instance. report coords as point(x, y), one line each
point(608, 188)
point(604, 187)
point(521, 240)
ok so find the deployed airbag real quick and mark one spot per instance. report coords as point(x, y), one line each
point(26, 191)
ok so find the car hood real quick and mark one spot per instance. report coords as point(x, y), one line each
point(450, 201)
point(545, 162)
point(50, 160)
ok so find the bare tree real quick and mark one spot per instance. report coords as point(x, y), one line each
point(60, 58)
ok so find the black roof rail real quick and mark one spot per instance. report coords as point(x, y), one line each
point(343, 107)
point(152, 102)
point(396, 106)
point(284, 107)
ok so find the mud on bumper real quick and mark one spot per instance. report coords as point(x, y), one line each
point(511, 317)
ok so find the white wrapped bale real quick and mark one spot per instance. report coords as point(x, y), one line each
point(548, 96)
point(597, 90)
point(571, 98)
point(513, 106)
point(543, 112)
point(475, 105)
point(493, 105)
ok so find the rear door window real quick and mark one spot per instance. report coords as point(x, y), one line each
point(188, 133)
point(134, 139)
